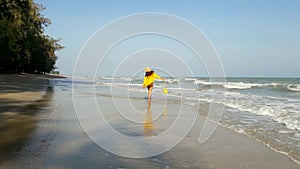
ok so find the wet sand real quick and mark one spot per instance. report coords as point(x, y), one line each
point(58, 141)
point(21, 97)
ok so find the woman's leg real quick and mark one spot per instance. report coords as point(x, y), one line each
point(149, 93)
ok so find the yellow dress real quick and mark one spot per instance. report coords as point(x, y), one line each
point(150, 79)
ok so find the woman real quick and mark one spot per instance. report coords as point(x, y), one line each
point(149, 79)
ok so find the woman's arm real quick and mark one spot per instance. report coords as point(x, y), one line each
point(158, 77)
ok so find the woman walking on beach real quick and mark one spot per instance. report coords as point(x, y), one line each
point(149, 79)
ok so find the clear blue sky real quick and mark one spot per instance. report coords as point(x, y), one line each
point(253, 37)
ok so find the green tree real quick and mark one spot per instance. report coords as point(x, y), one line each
point(24, 47)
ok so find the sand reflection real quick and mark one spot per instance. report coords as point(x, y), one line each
point(149, 124)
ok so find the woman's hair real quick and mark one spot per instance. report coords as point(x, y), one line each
point(149, 73)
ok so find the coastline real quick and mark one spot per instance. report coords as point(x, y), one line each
point(225, 149)
point(55, 138)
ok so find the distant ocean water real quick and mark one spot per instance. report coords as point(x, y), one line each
point(265, 109)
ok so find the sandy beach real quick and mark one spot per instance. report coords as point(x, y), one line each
point(40, 129)
point(22, 97)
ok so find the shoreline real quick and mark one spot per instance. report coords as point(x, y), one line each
point(264, 144)
point(56, 139)
point(46, 76)
point(225, 149)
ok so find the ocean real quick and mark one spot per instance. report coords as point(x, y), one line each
point(265, 109)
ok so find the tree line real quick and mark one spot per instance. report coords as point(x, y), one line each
point(24, 46)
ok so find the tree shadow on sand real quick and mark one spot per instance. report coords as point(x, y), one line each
point(18, 117)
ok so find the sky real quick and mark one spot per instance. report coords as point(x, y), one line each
point(253, 38)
